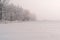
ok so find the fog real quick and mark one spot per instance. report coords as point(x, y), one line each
point(44, 9)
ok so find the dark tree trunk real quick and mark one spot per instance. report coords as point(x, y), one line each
point(1, 9)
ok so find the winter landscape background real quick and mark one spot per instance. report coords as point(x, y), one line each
point(29, 19)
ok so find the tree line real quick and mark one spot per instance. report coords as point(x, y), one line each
point(10, 12)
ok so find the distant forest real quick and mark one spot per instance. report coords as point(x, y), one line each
point(10, 12)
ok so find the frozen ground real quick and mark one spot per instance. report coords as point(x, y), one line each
point(30, 31)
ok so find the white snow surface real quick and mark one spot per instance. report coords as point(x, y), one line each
point(30, 31)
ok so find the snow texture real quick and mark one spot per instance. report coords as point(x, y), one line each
point(30, 31)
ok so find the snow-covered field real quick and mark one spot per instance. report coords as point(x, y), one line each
point(30, 31)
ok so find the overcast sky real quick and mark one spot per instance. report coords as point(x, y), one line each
point(44, 9)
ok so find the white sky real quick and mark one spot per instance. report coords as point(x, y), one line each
point(44, 9)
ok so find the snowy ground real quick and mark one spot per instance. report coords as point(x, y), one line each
point(30, 31)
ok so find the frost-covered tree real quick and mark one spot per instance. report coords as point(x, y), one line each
point(13, 13)
point(2, 3)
